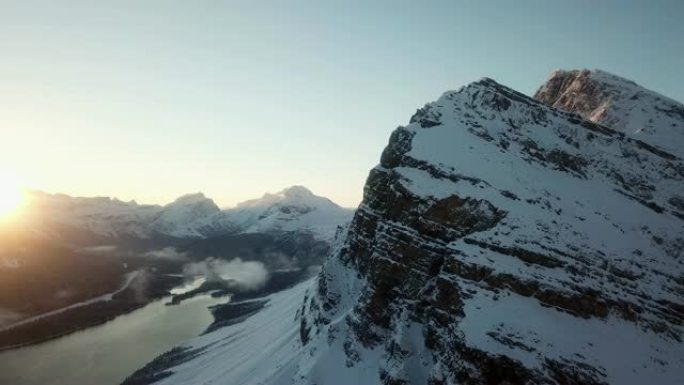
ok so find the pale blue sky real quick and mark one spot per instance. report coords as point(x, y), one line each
point(148, 100)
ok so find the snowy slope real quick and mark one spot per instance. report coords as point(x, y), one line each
point(499, 241)
point(264, 347)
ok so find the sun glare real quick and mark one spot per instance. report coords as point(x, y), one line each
point(11, 196)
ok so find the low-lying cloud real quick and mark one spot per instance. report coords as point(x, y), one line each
point(99, 250)
point(169, 253)
point(246, 275)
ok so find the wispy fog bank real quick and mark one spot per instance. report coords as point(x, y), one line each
point(250, 275)
point(169, 253)
point(99, 250)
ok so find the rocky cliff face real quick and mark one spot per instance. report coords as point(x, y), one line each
point(501, 240)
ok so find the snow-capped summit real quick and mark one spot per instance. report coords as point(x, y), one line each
point(499, 241)
point(295, 196)
point(193, 198)
point(293, 208)
point(297, 191)
point(180, 218)
point(494, 228)
point(619, 104)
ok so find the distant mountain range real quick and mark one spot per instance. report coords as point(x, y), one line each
point(502, 239)
point(62, 250)
point(190, 216)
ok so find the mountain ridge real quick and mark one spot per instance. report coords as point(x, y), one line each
point(189, 216)
point(438, 237)
point(499, 240)
point(619, 103)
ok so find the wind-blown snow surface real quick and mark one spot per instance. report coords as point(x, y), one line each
point(499, 241)
point(190, 216)
point(262, 348)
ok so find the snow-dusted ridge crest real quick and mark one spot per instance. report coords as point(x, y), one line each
point(499, 241)
point(619, 103)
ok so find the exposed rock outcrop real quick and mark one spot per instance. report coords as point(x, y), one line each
point(618, 103)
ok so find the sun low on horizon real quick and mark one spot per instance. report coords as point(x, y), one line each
point(11, 196)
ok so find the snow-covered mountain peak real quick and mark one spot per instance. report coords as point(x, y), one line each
point(295, 196)
point(190, 207)
point(295, 207)
point(494, 227)
point(296, 191)
point(191, 199)
point(185, 215)
point(499, 241)
point(618, 103)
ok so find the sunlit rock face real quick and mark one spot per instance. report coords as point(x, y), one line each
point(501, 240)
point(618, 103)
